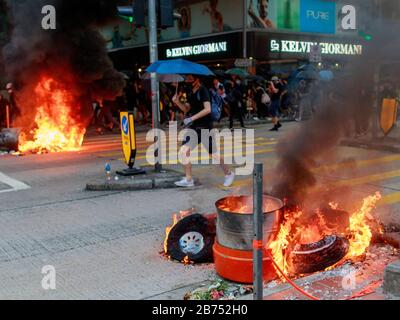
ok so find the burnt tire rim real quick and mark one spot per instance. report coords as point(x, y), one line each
point(191, 243)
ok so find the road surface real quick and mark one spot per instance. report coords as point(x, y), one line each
point(107, 245)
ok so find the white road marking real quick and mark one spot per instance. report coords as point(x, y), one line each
point(14, 184)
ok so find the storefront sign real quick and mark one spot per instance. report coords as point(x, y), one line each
point(327, 48)
point(209, 48)
point(244, 63)
point(318, 16)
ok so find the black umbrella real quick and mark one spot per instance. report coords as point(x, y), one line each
point(256, 78)
point(221, 74)
point(308, 75)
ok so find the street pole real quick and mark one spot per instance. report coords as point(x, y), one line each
point(244, 29)
point(258, 218)
point(155, 92)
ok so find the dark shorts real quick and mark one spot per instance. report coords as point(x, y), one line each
point(274, 109)
point(208, 141)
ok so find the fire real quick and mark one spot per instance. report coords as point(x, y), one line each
point(282, 241)
point(360, 231)
point(55, 128)
point(244, 205)
point(293, 230)
point(309, 234)
point(175, 219)
point(186, 261)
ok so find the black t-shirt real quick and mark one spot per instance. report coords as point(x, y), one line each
point(196, 101)
point(277, 96)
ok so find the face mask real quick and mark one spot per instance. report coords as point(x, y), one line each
point(238, 82)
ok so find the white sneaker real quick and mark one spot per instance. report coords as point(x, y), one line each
point(229, 180)
point(185, 183)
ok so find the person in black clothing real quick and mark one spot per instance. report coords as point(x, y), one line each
point(276, 90)
point(3, 106)
point(15, 112)
point(198, 112)
point(258, 97)
point(236, 104)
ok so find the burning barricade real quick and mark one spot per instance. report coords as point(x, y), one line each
point(296, 243)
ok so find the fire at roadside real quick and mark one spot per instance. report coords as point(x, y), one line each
point(58, 74)
point(331, 245)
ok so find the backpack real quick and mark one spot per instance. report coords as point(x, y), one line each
point(217, 104)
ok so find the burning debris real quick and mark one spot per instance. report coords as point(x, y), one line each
point(190, 238)
point(55, 128)
point(302, 247)
point(59, 72)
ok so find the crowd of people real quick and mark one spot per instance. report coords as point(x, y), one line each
point(242, 99)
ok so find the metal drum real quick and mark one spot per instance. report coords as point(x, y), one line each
point(235, 221)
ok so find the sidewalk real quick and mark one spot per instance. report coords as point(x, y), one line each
point(91, 132)
point(337, 283)
point(391, 143)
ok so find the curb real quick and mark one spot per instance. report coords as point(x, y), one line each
point(150, 181)
point(391, 283)
point(370, 146)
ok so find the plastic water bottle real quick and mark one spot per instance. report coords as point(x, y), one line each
point(107, 169)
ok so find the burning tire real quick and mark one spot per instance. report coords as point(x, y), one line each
point(318, 256)
point(191, 237)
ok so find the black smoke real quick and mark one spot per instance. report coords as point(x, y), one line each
point(347, 104)
point(74, 54)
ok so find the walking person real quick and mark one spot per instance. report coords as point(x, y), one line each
point(275, 89)
point(14, 111)
point(198, 112)
point(235, 100)
point(262, 99)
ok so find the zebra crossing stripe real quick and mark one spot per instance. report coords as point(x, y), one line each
point(14, 184)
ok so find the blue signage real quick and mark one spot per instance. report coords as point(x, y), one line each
point(125, 125)
point(318, 16)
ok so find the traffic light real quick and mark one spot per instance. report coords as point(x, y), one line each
point(366, 36)
point(139, 12)
point(165, 13)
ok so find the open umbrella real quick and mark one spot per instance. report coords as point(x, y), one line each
point(308, 75)
point(256, 78)
point(179, 66)
point(220, 73)
point(166, 78)
point(326, 75)
point(238, 72)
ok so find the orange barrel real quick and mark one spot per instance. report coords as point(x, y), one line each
point(233, 250)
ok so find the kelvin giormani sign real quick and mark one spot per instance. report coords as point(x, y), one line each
point(327, 48)
point(196, 50)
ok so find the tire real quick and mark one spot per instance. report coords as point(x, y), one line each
point(192, 237)
point(314, 257)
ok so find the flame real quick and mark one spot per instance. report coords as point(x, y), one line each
point(361, 234)
point(175, 219)
point(309, 234)
point(282, 241)
point(55, 128)
point(186, 261)
point(295, 231)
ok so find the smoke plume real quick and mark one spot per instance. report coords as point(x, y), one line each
point(346, 106)
point(74, 54)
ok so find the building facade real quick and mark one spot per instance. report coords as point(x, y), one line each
point(280, 34)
